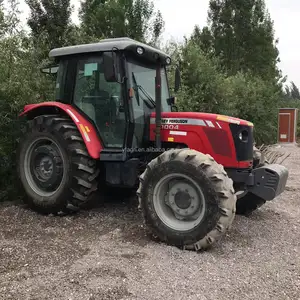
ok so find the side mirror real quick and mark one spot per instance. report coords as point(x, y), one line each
point(50, 70)
point(110, 70)
point(177, 80)
point(172, 102)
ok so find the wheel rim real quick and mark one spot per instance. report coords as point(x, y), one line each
point(179, 202)
point(44, 166)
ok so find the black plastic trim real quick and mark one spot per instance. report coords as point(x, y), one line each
point(243, 149)
point(239, 175)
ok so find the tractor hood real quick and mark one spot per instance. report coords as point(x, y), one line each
point(183, 117)
point(227, 139)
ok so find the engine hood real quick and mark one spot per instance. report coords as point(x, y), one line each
point(200, 116)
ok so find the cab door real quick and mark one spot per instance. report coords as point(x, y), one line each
point(101, 101)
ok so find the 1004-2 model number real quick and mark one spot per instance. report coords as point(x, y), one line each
point(170, 127)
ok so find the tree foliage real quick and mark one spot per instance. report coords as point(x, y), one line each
point(243, 95)
point(136, 19)
point(241, 35)
point(291, 92)
point(20, 83)
point(50, 24)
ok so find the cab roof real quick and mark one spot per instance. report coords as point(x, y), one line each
point(105, 45)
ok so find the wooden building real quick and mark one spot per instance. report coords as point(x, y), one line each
point(287, 125)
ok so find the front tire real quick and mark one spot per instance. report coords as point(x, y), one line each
point(187, 199)
point(54, 167)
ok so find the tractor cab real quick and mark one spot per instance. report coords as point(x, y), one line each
point(116, 84)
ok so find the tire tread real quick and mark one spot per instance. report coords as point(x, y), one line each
point(84, 170)
point(223, 187)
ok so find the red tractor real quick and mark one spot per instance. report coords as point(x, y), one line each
point(113, 123)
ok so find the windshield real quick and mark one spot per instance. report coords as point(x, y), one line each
point(143, 80)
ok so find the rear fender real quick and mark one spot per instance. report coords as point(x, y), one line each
point(86, 128)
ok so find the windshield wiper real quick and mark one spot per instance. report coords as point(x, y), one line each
point(148, 97)
point(136, 88)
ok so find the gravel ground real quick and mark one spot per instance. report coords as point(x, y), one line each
point(104, 254)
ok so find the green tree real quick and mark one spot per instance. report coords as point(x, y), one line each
point(295, 94)
point(203, 38)
point(241, 34)
point(20, 84)
point(136, 19)
point(291, 92)
point(202, 82)
point(50, 24)
point(247, 97)
point(206, 89)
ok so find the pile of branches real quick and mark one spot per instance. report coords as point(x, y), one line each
point(273, 156)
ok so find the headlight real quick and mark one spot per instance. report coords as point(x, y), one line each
point(168, 60)
point(243, 136)
point(140, 50)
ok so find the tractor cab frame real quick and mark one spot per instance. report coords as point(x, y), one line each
point(116, 84)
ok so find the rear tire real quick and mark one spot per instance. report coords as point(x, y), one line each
point(209, 199)
point(54, 167)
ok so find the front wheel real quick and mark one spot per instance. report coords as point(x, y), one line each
point(187, 199)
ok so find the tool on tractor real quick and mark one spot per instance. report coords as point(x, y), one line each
point(114, 123)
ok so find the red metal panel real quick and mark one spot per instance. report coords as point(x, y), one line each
point(87, 130)
point(193, 135)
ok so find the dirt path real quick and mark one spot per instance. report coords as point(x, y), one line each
point(104, 254)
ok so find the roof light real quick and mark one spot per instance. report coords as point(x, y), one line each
point(140, 50)
point(168, 60)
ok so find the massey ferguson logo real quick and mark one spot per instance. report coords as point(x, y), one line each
point(174, 121)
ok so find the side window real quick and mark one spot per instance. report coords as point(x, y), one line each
point(100, 101)
point(86, 82)
point(60, 80)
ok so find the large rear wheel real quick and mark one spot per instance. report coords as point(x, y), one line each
point(187, 199)
point(55, 169)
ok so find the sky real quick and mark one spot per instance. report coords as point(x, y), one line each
point(181, 16)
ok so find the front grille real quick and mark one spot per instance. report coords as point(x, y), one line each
point(272, 180)
point(219, 141)
point(243, 149)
